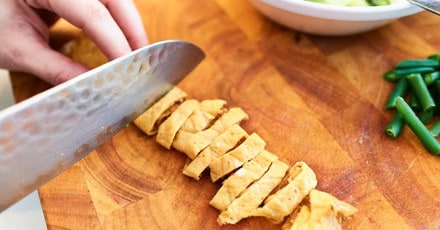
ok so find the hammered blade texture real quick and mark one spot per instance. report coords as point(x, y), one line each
point(44, 135)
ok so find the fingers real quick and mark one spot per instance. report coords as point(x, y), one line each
point(38, 58)
point(129, 20)
point(114, 25)
point(48, 17)
point(94, 18)
point(51, 66)
point(24, 36)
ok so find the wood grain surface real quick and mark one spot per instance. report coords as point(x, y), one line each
point(316, 99)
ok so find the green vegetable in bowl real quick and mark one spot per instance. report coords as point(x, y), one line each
point(342, 2)
point(379, 2)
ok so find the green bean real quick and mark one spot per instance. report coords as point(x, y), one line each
point(414, 102)
point(396, 74)
point(391, 76)
point(424, 135)
point(433, 92)
point(421, 90)
point(399, 90)
point(430, 78)
point(426, 117)
point(435, 57)
point(435, 129)
point(378, 2)
point(407, 71)
point(436, 87)
point(394, 128)
point(411, 63)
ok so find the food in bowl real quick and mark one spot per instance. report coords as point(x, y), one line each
point(332, 20)
point(355, 2)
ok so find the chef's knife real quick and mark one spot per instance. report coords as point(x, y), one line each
point(45, 134)
point(430, 5)
point(27, 213)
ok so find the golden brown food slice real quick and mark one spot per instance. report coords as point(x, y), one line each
point(323, 211)
point(83, 50)
point(235, 184)
point(252, 197)
point(192, 143)
point(219, 146)
point(300, 220)
point(202, 117)
point(301, 180)
point(212, 107)
point(148, 121)
point(168, 129)
point(234, 159)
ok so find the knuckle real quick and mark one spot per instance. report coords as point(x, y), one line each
point(38, 3)
point(14, 57)
point(58, 77)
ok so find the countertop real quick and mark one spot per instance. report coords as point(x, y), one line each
point(314, 99)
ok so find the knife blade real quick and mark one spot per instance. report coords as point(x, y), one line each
point(45, 134)
point(27, 213)
point(430, 5)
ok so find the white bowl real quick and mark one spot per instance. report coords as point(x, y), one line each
point(324, 19)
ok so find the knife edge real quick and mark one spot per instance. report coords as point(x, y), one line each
point(47, 133)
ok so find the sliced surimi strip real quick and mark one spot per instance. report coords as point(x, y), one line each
point(234, 159)
point(323, 211)
point(301, 180)
point(253, 196)
point(147, 121)
point(259, 186)
point(192, 143)
point(235, 184)
point(212, 106)
point(168, 129)
point(203, 116)
point(219, 146)
point(303, 221)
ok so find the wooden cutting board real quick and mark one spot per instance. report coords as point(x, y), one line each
point(315, 99)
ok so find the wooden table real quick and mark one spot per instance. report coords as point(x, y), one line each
point(317, 99)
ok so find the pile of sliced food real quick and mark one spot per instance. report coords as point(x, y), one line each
point(255, 182)
point(354, 2)
point(416, 99)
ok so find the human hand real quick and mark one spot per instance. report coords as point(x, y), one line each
point(114, 25)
